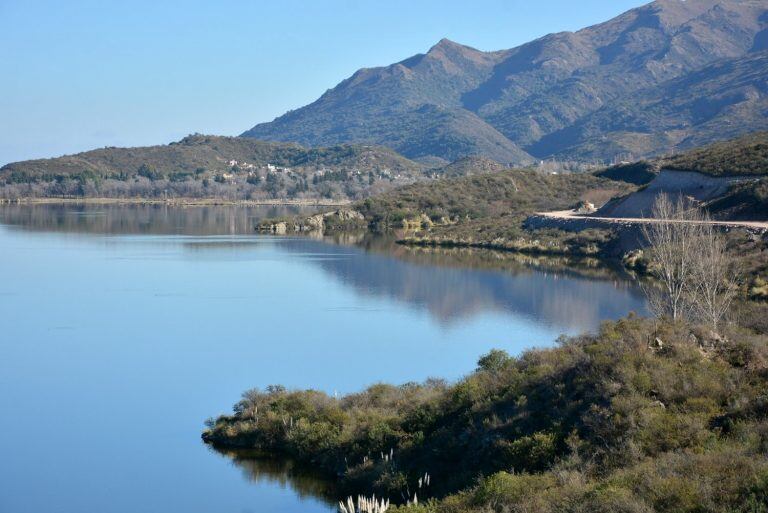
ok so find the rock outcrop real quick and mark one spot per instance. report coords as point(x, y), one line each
point(694, 187)
point(344, 218)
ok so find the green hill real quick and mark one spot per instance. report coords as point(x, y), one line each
point(209, 166)
point(489, 210)
point(733, 164)
point(494, 195)
point(637, 173)
point(746, 155)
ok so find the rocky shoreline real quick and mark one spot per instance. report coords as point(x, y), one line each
point(341, 219)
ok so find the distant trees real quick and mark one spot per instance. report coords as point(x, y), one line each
point(149, 172)
point(274, 184)
point(690, 260)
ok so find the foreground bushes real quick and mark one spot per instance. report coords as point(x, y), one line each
point(642, 416)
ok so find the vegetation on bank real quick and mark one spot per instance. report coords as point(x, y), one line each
point(642, 416)
point(496, 195)
point(488, 234)
point(489, 210)
point(485, 210)
point(746, 155)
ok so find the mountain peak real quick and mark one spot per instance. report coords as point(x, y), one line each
point(445, 43)
point(445, 46)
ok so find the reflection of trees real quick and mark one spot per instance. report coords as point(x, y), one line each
point(259, 468)
point(450, 283)
point(453, 284)
point(142, 219)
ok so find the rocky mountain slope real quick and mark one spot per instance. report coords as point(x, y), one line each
point(582, 95)
point(719, 101)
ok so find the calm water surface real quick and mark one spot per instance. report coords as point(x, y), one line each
point(123, 328)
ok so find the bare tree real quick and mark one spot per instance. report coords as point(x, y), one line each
point(690, 259)
point(715, 277)
point(672, 239)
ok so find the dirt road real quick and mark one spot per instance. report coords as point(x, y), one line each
point(571, 214)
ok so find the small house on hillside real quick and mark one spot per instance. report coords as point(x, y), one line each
point(585, 207)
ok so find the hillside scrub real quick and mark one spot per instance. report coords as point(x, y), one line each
point(489, 210)
point(744, 202)
point(503, 194)
point(743, 156)
point(644, 415)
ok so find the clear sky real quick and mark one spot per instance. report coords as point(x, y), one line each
point(77, 74)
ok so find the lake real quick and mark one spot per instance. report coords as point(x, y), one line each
point(122, 328)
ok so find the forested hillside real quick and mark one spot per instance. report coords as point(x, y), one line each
point(201, 166)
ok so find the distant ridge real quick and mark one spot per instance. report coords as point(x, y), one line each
point(204, 166)
point(233, 168)
point(697, 66)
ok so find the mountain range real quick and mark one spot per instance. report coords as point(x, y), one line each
point(667, 76)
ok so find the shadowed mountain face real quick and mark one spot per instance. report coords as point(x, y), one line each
point(532, 100)
point(719, 101)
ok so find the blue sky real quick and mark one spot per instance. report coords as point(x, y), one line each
point(77, 75)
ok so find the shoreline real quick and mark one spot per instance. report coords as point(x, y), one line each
point(191, 202)
point(527, 250)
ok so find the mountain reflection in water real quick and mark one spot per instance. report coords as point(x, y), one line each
point(573, 295)
point(145, 219)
